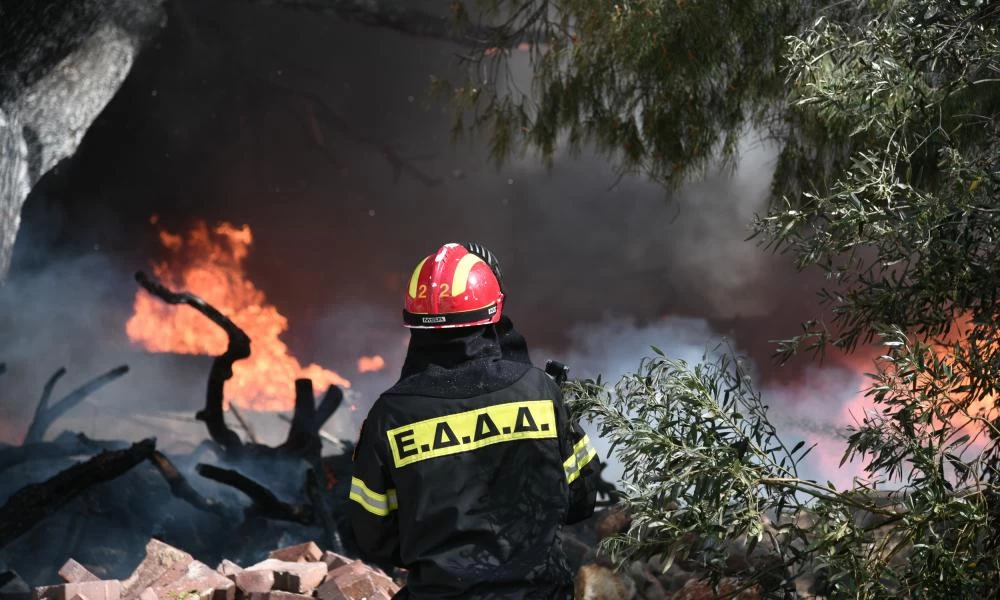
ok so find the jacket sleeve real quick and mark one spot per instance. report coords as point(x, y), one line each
point(579, 465)
point(372, 506)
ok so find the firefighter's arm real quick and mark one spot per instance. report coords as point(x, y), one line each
point(372, 508)
point(579, 464)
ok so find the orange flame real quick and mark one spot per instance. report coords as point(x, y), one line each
point(209, 263)
point(370, 364)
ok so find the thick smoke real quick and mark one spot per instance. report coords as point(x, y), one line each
point(266, 116)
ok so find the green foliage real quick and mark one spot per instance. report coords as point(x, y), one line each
point(888, 113)
point(660, 86)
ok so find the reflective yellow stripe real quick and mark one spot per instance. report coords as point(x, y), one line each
point(582, 454)
point(415, 278)
point(461, 277)
point(470, 430)
point(373, 502)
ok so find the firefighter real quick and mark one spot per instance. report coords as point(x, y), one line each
point(467, 469)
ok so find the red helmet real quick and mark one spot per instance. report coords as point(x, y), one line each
point(452, 288)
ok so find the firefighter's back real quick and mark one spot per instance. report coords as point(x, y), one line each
point(481, 490)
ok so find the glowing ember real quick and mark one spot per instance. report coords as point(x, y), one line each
point(370, 364)
point(209, 263)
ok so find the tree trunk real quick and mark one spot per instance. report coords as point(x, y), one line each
point(61, 62)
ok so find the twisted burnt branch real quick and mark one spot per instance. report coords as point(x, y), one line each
point(181, 488)
point(265, 503)
point(322, 513)
point(34, 503)
point(65, 445)
point(45, 416)
point(238, 348)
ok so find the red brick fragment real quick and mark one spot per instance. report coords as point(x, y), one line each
point(277, 595)
point(228, 568)
point(252, 581)
point(74, 572)
point(159, 559)
point(195, 580)
point(307, 552)
point(295, 577)
point(334, 560)
point(92, 590)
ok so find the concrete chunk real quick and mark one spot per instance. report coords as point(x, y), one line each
point(148, 594)
point(74, 572)
point(159, 559)
point(307, 552)
point(295, 577)
point(91, 590)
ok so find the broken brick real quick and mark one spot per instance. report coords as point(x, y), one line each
point(92, 590)
point(228, 568)
point(334, 560)
point(277, 595)
point(195, 577)
point(356, 580)
point(74, 572)
point(159, 559)
point(308, 552)
point(252, 581)
point(295, 577)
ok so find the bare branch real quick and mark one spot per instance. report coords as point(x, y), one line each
point(180, 487)
point(265, 503)
point(222, 367)
point(45, 417)
point(35, 502)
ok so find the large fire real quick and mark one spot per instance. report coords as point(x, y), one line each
point(209, 262)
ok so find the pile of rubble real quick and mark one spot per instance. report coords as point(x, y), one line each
point(302, 572)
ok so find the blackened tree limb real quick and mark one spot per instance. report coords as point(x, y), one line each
point(3, 368)
point(65, 446)
point(327, 406)
point(316, 498)
point(408, 21)
point(302, 439)
point(265, 503)
point(238, 348)
point(181, 488)
point(45, 416)
point(34, 503)
point(43, 405)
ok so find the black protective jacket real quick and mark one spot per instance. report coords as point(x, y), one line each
point(467, 469)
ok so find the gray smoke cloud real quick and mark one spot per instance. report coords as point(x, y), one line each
point(264, 116)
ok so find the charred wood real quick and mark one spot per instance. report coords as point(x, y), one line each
point(45, 416)
point(301, 438)
point(35, 502)
point(265, 503)
point(181, 488)
point(322, 513)
point(238, 348)
point(65, 445)
point(328, 405)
